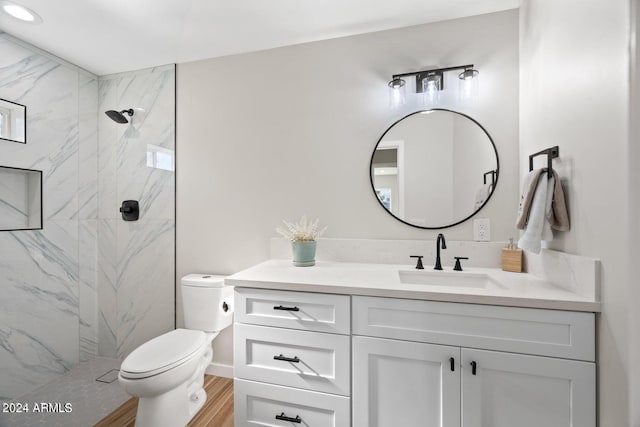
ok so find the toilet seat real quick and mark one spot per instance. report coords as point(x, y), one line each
point(163, 353)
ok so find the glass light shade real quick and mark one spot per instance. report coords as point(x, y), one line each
point(431, 90)
point(468, 85)
point(397, 93)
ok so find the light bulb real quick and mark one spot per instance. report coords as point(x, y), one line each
point(431, 89)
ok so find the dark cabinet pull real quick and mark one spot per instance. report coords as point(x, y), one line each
point(473, 367)
point(283, 417)
point(452, 361)
point(458, 267)
point(293, 359)
point(282, 307)
point(419, 265)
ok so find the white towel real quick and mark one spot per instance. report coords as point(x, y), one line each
point(482, 195)
point(531, 239)
point(547, 233)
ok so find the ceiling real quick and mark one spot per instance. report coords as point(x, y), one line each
point(110, 36)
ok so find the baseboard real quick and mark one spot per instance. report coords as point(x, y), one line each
point(220, 370)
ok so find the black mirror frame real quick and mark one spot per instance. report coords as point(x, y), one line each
point(25, 123)
point(497, 175)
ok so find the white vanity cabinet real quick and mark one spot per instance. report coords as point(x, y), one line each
point(292, 359)
point(327, 360)
point(402, 383)
point(402, 370)
point(526, 391)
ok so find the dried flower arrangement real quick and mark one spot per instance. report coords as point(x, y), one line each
point(302, 231)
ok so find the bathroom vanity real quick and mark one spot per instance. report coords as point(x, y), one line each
point(369, 345)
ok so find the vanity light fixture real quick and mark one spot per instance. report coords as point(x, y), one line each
point(468, 85)
point(432, 84)
point(468, 74)
point(397, 92)
point(20, 12)
point(429, 82)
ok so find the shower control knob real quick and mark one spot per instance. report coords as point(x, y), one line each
point(130, 210)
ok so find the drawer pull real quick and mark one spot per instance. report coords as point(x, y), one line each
point(293, 359)
point(473, 367)
point(452, 361)
point(283, 417)
point(282, 307)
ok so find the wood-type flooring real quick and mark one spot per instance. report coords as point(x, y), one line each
point(216, 412)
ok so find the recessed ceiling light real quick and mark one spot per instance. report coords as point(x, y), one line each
point(20, 12)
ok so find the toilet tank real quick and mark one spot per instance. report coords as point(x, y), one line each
point(207, 303)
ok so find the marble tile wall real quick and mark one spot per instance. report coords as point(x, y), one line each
point(89, 283)
point(136, 259)
point(47, 276)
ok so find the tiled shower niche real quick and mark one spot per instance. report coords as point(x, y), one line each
point(20, 199)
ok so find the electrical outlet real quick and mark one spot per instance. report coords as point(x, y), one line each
point(482, 230)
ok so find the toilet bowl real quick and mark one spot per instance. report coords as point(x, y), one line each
point(167, 372)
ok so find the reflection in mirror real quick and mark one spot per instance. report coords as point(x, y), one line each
point(20, 199)
point(13, 121)
point(434, 169)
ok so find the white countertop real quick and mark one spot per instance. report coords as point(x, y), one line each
point(512, 289)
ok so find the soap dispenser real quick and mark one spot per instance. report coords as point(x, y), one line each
point(512, 258)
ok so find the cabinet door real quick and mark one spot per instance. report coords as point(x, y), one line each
point(526, 391)
point(401, 383)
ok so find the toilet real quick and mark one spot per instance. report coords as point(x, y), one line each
point(167, 372)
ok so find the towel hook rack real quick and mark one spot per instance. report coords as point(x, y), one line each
point(551, 153)
point(493, 177)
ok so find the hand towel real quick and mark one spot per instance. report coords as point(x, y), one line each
point(529, 187)
point(482, 195)
point(531, 239)
point(557, 214)
point(547, 234)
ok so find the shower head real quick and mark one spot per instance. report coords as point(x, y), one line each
point(118, 116)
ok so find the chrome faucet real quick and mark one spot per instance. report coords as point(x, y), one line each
point(440, 240)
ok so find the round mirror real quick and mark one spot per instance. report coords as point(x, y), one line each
point(434, 169)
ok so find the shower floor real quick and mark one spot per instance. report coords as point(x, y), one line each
point(90, 400)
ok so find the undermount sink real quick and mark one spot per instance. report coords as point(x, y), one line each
point(462, 279)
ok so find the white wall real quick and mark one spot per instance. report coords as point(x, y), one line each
point(258, 134)
point(633, 160)
point(574, 90)
point(474, 156)
point(428, 153)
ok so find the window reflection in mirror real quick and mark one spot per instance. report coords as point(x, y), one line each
point(13, 121)
point(434, 168)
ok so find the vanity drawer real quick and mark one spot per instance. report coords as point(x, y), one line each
point(257, 404)
point(564, 334)
point(295, 310)
point(323, 360)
